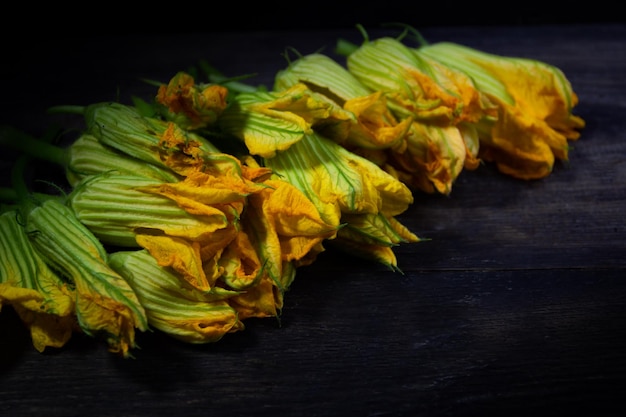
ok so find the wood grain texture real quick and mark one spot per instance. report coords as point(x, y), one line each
point(516, 305)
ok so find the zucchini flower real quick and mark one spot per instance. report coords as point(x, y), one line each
point(43, 301)
point(416, 84)
point(372, 126)
point(178, 310)
point(373, 236)
point(269, 122)
point(339, 181)
point(283, 230)
point(342, 183)
point(177, 227)
point(85, 156)
point(336, 180)
point(435, 156)
point(534, 100)
point(189, 105)
point(152, 140)
point(105, 304)
point(88, 156)
point(118, 207)
point(264, 299)
point(443, 102)
point(279, 224)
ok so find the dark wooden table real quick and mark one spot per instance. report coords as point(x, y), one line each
point(515, 307)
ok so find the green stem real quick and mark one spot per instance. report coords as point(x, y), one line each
point(345, 47)
point(232, 84)
point(15, 139)
point(8, 195)
point(17, 178)
point(80, 110)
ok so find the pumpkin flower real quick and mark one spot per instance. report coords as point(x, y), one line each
point(340, 182)
point(106, 305)
point(372, 126)
point(535, 101)
point(435, 156)
point(88, 156)
point(443, 102)
point(118, 207)
point(189, 105)
point(150, 139)
point(416, 84)
point(284, 230)
point(178, 228)
point(271, 121)
point(279, 229)
point(264, 299)
point(180, 311)
point(373, 236)
point(335, 179)
point(85, 156)
point(43, 301)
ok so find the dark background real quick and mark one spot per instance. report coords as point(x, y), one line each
point(28, 23)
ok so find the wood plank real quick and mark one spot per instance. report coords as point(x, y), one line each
point(443, 343)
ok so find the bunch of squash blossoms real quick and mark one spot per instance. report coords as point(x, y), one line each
point(466, 108)
point(192, 213)
point(162, 230)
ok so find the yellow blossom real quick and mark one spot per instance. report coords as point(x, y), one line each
point(269, 122)
point(189, 105)
point(264, 299)
point(239, 262)
point(340, 182)
point(415, 84)
point(373, 236)
point(281, 230)
point(178, 310)
point(535, 102)
point(149, 139)
point(42, 300)
point(434, 158)
point(105, 305)
point(372, 126)
point(118, 207)
point(285, 225)
point(442, 101)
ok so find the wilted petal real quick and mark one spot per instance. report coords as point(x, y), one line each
point(294, 219)
point(105, 305)
point(434, 158)
point(261, 300)
point(181, 255)
point(117, 207)
point(519, 145)
point(372, 124)
point(535, 100)
point(269, 122)
point(182, 312)
point(198, 190)
point(240, 263)
point(88, 156)
point(147, 139)
point(190, 105)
